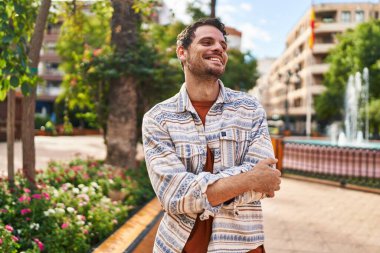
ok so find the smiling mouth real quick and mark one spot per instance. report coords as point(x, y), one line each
point(214, 59)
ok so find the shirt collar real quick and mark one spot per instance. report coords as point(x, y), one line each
point(184, 103)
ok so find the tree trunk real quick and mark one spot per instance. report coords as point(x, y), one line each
point(213, 6)
point(122, 117)
point(11, 117)
point(29, 102)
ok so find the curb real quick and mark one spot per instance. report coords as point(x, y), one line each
point(129, 235)
point(332, 183)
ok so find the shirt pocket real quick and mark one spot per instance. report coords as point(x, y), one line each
point(233, 146)
point(190, 156)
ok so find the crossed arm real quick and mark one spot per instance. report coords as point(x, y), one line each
point(180, 191)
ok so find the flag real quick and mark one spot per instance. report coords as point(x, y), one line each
point(312, 26)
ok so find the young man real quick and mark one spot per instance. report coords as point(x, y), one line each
point(209, 154)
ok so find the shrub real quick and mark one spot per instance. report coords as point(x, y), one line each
point(70, 211)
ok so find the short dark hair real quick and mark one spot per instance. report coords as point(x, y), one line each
point(185, 38)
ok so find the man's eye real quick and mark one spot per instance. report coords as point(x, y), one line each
point(206, 43)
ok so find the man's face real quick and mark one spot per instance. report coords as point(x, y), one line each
point(207, 54)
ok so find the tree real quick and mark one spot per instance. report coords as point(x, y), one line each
point(241, 71)
point(17, 20)
point(84, 47)
point(195, 11)
point(356, 49)
point(213, 7)
point(29, 102)
point(122, 116)
point(374, 117)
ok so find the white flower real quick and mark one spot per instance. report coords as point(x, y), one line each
point(80, 222)
point(46, 213)
point(105, 200)
point(35, 226)
point(95, 185)
point(60, 205)
point(76, 190)
point(70, 209)
point(81, 186)
point(55, 193)
point(60, 210)
point(111, 181)
point(85, 189)
point(19, 231)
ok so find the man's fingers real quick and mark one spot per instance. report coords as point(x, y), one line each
point(270, 160)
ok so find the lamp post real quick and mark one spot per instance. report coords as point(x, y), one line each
point(289, 75)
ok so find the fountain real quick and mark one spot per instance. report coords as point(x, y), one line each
point(356, 99)
point(348, 153)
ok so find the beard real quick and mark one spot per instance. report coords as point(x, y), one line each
point(199, 67)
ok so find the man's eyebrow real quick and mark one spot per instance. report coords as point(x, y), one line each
point(211, 38)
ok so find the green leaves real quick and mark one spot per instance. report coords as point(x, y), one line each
point(14, 81)
point(356, 49)
point(17, 20)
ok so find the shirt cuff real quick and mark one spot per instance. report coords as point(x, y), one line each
point(205, 179)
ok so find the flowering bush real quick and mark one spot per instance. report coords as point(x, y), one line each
point(70, 211)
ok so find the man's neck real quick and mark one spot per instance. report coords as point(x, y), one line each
point(202, 89)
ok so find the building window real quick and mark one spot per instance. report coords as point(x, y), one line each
point(376, 15)
point(359, 16)
point(297, 102)
point(346, 17)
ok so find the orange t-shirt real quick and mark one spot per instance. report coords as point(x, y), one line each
point(200, 235)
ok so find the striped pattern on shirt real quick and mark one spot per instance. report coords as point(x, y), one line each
point(175, 143)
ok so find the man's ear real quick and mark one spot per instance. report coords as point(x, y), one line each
point(181, 53)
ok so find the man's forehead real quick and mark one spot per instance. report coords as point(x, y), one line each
point(208, 31)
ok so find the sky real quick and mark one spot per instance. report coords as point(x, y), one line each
point(264, 23)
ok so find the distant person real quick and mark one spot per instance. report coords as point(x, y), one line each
point(209, 154)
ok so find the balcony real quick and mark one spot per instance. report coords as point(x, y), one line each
point(332, 27)
point(318, 68)
point(43, 91)
point(322, 48)
point(50, 56)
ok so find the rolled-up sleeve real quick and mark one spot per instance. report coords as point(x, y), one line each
point(178, 191)
point(260, 148)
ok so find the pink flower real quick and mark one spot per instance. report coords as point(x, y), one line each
point(37, 196)
point(26, 190)
point(77, 168)
point(64, 225)
point(25, 211)
point(27, 219)
point(9, 228)
point(1, 241)
point(15, 238)
point(3, 210)
point(24, 199)
point(39, 244)
point(85, 231)
point(46, 195)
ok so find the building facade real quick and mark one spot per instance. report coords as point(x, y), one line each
point(296, 77)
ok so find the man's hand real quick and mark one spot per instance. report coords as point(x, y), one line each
point(265, 178)
point(262, 178)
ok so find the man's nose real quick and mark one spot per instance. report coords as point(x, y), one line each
point(217, 47)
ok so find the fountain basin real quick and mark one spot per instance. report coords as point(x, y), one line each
point(322, 157)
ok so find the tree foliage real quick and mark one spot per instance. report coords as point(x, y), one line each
point(241, 71)
point(16, 26)
point(356, 49)
point(85, 38)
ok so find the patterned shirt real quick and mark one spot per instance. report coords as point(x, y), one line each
point(175, 143)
